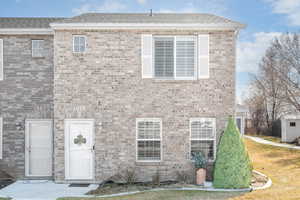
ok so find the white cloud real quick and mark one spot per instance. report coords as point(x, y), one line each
point(142, 2)
point(106, 6)
point(250, 53)
point(290, 8)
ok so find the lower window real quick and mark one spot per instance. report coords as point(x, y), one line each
point(148, 139)
point(203, 131)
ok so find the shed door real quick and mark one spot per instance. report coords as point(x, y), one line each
point(38, 147)
point(239, 123)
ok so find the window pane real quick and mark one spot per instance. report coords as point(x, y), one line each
point(148, 150)
point(79, 44)
point(202, 129)
point(37, 48)
point(164, 57)
point(185, 57)
point(206, 147)
point(148, 130)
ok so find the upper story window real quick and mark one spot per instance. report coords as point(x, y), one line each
point(178, 57)
point(37, 48)
point(175, 57)
point(79, 43)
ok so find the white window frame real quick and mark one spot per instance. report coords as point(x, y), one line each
point(41, 50)
point(85, 43)
point(137, 140)
point(2, 59)
point(204, 139)
point(1, 138)
point(175, 49)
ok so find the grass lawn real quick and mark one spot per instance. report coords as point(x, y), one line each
point(281, 165)
point(168, 195)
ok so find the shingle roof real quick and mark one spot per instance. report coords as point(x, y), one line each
point(167, 18)
point(187, 18)
point(26, 22)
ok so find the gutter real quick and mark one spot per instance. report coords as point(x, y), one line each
point(26, 31)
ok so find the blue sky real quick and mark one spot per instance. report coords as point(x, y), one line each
point(264, 18)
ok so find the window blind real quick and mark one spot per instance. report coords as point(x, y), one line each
point(164, 57)
point(185, 56)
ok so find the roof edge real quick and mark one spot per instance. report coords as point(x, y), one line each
point(219, 26)
point(26, 31)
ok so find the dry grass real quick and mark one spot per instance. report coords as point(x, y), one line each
point(281, 165)
point(169, 195)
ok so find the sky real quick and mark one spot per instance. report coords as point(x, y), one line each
point(265, 19)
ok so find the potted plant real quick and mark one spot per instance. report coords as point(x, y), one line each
point(200, 163)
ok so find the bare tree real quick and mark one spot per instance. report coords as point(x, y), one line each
point(267, 91)
point(287, 49)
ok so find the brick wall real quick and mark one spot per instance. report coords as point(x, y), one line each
point(105, 84)
point(26, 92)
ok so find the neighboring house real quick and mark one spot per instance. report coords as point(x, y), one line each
point(290, 127)
point(84, 98)
point(241, 116)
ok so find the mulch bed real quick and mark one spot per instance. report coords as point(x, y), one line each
point(258, 180)
point(114, 188)
point(5, 179)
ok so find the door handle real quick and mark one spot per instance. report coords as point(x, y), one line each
point(93, 148)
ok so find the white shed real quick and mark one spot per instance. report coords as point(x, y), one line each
point(290, 127)
point(241, 114)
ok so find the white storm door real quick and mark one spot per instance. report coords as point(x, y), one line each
point(38, 148)
point(79, 149)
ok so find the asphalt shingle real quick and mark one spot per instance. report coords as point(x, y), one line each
point(147, 18)
point(26, 22)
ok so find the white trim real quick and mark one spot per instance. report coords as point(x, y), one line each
point(26, 31)
point(200, 76)
point(283, 130)
point(143, 55)
point(67, 164)
point(27, 129)
point(1, 138)
point(85, 43)
point(1, 60)
point(181, 26)
point(203, 139)
point(136, 138)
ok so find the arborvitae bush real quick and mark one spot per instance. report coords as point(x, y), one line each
point(233, 167)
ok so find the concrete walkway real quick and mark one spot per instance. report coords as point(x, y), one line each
point(43, 190)
point(263, 141)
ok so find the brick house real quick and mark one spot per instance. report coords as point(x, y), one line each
point(87, 97)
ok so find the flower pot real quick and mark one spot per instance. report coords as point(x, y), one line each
point(201, 176)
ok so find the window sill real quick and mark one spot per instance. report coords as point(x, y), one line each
point(148, 163)
point(174, 80)
point(78, 53)
point(37, 57)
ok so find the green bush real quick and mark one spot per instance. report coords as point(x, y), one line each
point(200, 160)
point(233, 167)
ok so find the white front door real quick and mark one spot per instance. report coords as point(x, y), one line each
point(38, 147)
point(79, 149)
